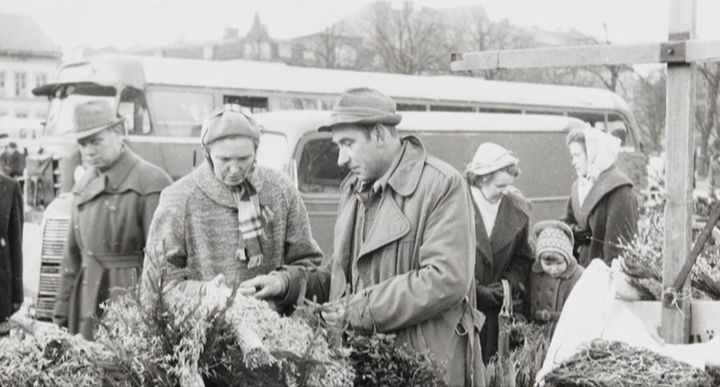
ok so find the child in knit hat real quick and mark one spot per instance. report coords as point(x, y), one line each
point(553, 274)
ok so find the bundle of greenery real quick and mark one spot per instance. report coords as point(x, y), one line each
point(215, 339)
point(616, 364)
point(643, 261)
point(528, 345)
point(45, 355)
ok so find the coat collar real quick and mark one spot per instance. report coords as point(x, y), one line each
point(609, 180)
point(513, 215)
point(406, 177)
point(216, 190)
point(95, 182)
point(391, 223)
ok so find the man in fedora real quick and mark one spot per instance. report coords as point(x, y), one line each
point(404, 243)
point(228, 220)
point(113, 204)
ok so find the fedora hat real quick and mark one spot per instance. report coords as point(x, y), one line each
point(363, 106)
point(92, 117)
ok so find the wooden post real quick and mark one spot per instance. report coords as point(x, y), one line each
point(680, 54)
point(679, 168)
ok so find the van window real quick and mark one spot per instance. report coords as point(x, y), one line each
point(411, 107)
point(178, 113)
point(318, 171)
point(255, 104)
point(449, 108)
point(596, 120)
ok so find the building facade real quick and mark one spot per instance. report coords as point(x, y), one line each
point(28, 58)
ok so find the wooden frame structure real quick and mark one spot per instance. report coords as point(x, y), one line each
point(680, 53)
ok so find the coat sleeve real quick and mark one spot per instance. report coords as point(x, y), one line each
point(445, 260)
point(15, 239)
point(165, 265)
point(300, 247)
point(520, 262)
point(621, 222)
point(150, 203)
point(68, 273)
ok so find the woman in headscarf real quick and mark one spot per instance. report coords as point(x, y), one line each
point(502, 219)
point(602, 210)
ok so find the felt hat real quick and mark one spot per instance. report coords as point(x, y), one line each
point(229, 121)
point(93, 117)
point(363, 106)
point(553, 236)
point(490, 157)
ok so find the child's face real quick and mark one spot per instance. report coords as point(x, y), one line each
point(553, 264)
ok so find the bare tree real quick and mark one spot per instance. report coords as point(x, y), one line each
point(328, 46)
point(648, 102)
point(407, 40)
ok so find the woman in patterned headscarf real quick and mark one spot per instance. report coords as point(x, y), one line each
point(602, 210)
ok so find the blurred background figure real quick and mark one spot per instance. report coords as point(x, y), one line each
point(12, 161)
point(11, 258)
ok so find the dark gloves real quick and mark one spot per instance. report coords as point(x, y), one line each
point(489, 296)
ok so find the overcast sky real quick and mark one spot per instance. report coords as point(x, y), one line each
point(124, 23)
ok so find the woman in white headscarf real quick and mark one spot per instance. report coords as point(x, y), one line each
point(602, 210)
point(502, 218)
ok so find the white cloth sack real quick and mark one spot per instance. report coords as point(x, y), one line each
point(592, 312)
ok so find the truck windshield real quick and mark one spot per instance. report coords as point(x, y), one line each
point(61, 113)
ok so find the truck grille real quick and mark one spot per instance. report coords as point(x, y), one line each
point(54, 239)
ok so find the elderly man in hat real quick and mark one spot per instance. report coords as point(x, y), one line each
point(230, 219)
point(404, 243)
point(113, 204)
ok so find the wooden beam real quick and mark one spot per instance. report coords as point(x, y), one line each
point(679, 173)
point(595, 55)
point(697, 51)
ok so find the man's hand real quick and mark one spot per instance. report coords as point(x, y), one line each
point(263, 286)
point(16, 306)
point(334, 313)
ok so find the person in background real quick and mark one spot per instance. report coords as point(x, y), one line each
point(553, 274)
point(12, 160)
point(230, 219)
point(11, 256)
point(603, 209)
point(502, 218)
point(402, 261)
point(112, 207)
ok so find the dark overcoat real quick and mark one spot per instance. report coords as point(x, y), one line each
point(110, 219)
point(546, 293)
point(609, 215)
point(416, 264)
point(11, 258)
point(506, 254)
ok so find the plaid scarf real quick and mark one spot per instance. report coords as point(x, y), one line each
point(250, 225)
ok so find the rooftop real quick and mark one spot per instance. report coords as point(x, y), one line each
point(21, 35)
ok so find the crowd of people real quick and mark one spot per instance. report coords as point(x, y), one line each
point(420, 250)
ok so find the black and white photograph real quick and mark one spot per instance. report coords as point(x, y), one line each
point(312, 193)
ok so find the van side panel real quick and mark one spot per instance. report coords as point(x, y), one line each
point(545, 178)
